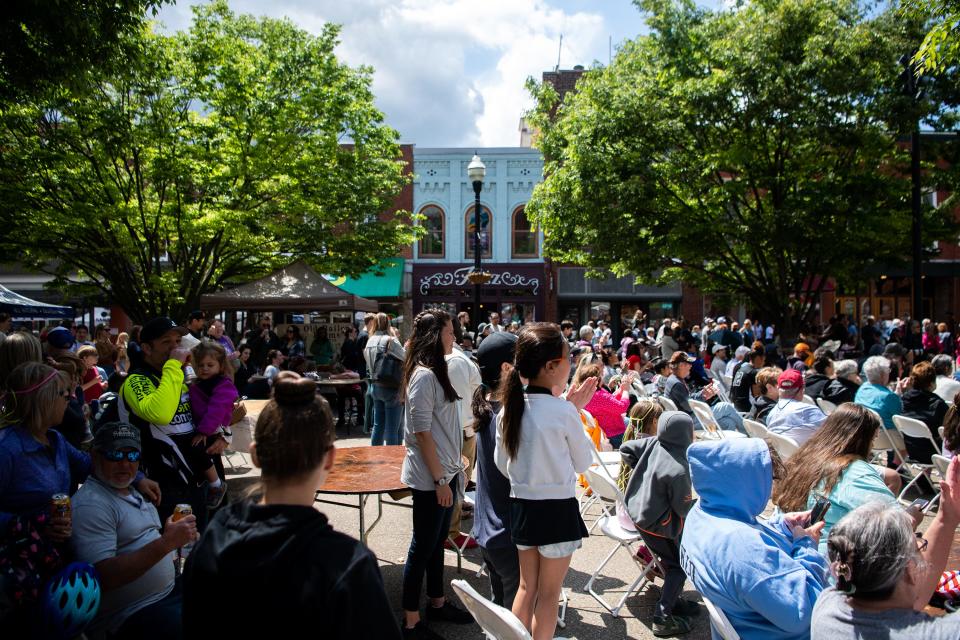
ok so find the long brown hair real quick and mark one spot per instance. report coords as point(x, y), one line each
point(951, 426)
point(845, 436)
point(537, 344)
point(426, 350)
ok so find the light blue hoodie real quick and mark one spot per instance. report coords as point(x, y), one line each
point(764, 581)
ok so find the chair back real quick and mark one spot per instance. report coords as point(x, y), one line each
point(755, 428)
point(497, 622)
point(719, 622)
point(826, 406)
point(914, 428)
point(702, 411)
point(727, 380)
point(603, 485)
point(941, 463)
point(785, 445)
point(808, 400)
point(667, 403)
point(940, 431)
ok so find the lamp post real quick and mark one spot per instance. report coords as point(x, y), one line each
point(911, 89)
point(476, 171)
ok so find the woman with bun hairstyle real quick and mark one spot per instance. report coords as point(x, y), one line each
point(432, 468)
point(541, 446)
point(291, 562)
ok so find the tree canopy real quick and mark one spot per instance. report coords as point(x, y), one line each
point(211, 156)
point(750, 152)
point(940, 48)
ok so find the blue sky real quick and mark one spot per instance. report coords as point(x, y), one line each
point(450, 73)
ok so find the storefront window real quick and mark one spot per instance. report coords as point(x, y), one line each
point(659, 311)
point(524, 236)
point(517, 312)
point(600, 311)
point(431, 244)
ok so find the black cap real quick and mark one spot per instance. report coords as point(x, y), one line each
point(116, 435)
point(158, 327)
point(493, 352)
point(197, 314)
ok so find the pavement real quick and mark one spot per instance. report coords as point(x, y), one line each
point(585, 618)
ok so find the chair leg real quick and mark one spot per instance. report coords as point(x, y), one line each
point(924, 473)
point(597, 571)
point(633, 588)
point(563, 609)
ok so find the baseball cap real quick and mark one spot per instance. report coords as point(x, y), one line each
point(802, 347)
point(60, 338)
point(680, 357)
point(116, 435)
point(790, 379)
point(719, 347)
point(197, 314)
point(157, 327)
point(722, 320)
point(493, 352)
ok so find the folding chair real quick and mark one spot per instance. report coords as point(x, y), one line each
point(808, 400)
point(826, 406)
point(498, 623)
point(727, 381)
point(916, 429)
point(711, 429)
point(755, 429)
point(719, 623)
point(623, 539)
point(611, 468)
point(888, 440)
point(667, 403)
point(785, 445)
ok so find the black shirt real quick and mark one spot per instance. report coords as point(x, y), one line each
point(744, 377)
point(815, 384)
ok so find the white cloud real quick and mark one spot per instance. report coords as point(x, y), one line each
point(447, 72)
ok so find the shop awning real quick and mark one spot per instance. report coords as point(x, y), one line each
point(380, 282)
point(22, 308)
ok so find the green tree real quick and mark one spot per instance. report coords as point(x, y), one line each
point(940, 48)
point(47, 43)
point(213, 156)
point(750, 152)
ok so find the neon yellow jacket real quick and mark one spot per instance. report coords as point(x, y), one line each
point(166, 406)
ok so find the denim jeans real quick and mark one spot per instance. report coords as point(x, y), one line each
point(430, 525)
point(387, 413)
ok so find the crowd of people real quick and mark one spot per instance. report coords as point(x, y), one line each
point(131, 428)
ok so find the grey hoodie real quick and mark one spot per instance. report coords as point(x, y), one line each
point(659, 494)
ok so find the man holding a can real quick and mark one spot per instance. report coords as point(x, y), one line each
point(118, 531)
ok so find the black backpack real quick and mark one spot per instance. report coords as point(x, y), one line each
point(387, 368)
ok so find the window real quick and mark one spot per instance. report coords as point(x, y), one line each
point(431, 244)
point(485, 232)
point(525, 238)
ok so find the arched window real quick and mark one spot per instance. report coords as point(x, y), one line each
point(486, 232)
point(434, 221)
point(525, 237)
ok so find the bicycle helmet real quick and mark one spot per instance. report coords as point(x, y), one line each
point(71, 600)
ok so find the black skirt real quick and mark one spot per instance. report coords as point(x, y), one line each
point(536, 523)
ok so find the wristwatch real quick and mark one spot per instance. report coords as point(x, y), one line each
point(442, 482)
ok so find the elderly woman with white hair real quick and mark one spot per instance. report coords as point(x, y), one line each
point(874, 393)
point(886, 574)
point(845, 383)
point(947, 385)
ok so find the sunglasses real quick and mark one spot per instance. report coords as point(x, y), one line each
point(117, 456)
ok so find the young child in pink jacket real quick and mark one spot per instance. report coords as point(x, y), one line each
point(212, 398)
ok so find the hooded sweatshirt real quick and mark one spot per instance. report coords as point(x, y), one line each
point(658, 494)
point(296, 572)
point(753, 570)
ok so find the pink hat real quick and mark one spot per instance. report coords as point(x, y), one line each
point(790, 379)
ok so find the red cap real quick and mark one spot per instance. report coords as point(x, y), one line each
point(790, 379)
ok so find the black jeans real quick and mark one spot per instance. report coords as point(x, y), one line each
point(668, 552)
point(503, 567)
point(430, 525)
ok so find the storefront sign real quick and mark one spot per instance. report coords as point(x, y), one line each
point(458, 278)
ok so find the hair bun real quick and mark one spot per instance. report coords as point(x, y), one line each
point(289, 391)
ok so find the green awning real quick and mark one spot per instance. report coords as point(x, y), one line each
point(383, 281)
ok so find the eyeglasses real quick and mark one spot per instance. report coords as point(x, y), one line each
point(117, 456)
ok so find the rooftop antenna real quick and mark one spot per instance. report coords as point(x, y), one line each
point(559, 49)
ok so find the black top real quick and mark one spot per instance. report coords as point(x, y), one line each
point(930, 409)
point(815, 384)
point(491, 520)
point(744, 377)
point(295, 572)
point(840, 390)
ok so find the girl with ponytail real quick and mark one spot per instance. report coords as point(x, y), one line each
point(540, 448)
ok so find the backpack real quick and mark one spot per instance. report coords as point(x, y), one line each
point(387, 368)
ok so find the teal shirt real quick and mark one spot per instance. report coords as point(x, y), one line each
point(859, 484)
point(881, 400)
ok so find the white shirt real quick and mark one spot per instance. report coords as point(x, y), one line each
point(795, 419)
point(718, 368)
point(732, 365)
point(553, 449)
point(465, 378)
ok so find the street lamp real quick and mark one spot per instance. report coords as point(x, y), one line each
point(476, 171)
point(911, 89)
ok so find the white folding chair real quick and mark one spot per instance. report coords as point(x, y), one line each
point(916, 429)
point(940, 463)
point(755, 428)
point(887, 440)
point(727, 381)
point(667, 403)
point(497, 622)
point(826, 406)
point(808, 400)
point(719, 622)
point(785, 445)
point(611, 469)
point(610, 526)
point(711, 428)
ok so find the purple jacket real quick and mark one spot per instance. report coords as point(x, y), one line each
point(213, 410)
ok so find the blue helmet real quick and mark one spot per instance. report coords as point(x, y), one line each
point(71, 600)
